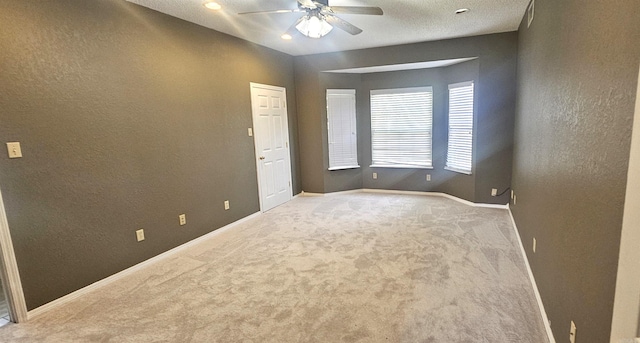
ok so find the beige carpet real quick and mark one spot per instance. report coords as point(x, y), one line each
point(358, 267)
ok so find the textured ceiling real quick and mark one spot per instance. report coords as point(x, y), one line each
point(404, 21)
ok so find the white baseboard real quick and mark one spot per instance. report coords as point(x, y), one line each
point(437, 194)
point(310, 194)
point(543, 313)
point(393, 191)
point(133, 269)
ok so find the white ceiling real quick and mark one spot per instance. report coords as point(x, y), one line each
point(404, 21)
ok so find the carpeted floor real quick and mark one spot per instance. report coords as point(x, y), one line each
point(355, 267)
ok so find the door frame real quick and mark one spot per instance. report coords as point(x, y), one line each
point(625, 324)
point(252, 86)
point(9, 272)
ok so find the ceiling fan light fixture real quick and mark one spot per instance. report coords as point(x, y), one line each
point(286, 36)
point(212, 5)
point(314, 26)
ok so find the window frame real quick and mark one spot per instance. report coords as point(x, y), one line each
point(351, 93)
point(473, 127)
point(428, 120)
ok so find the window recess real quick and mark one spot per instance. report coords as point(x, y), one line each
point(401, 127)
point(342, 130)
point(460, 141)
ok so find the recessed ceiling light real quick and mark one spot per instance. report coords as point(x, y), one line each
point(462, 10)
point(286, 36)
point(212, 5)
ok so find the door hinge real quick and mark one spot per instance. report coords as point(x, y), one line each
point(286, 144)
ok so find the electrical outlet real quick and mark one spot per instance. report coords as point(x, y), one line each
point(494, 192)
point(428, 177)
point(512, 194)
point(183, 219)
point(572, 333)
point(140, 235)
point(375, 176)
point(534, 245)
point(226, 205)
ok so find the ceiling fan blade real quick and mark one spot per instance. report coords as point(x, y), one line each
point(356, 10)
point(343, 24)
point(274, 11)
point(307, 4)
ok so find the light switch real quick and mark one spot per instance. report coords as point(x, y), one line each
point(14, 150)
point(140, 235)
point(250, 132)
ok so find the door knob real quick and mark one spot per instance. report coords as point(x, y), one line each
point(262, 157)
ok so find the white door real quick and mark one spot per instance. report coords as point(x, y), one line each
point(271, 137)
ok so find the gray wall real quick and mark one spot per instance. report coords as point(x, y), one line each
point(577, 79)
point(495, 75)
point(127, 118)
point(310, 127)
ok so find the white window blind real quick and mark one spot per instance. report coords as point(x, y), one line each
point(401, 127)
point(341, 123)
point(460, 145)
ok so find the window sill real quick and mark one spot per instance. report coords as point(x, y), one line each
point(458, 170)
point(344, 168)
point(399, 166)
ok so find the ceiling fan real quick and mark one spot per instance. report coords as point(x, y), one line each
point(320, 18)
